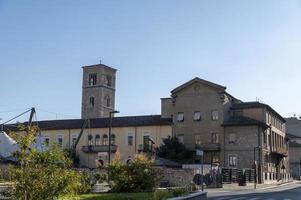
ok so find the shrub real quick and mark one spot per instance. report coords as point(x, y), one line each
point(85, 183)
point(137, 176)
point(42, 175)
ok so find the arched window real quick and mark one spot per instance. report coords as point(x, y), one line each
point(108, 101)
point(90, 139)
point(97, 140)
point(113, 139)
point(105, 139)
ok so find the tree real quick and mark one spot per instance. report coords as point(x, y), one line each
point(42, 175)
point(136, 176)
point(174, 150)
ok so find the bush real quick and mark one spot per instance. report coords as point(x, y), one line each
point(138, 176)
point(85, 183)
point(42, 175)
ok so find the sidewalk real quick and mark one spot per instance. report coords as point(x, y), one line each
point(249, 187)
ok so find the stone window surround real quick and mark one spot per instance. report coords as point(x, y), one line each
point(58, 137)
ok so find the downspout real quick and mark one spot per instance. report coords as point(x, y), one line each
point(259, 155)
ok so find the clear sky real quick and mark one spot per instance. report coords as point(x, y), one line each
point(252, 47)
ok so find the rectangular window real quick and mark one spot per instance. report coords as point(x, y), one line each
point(60, 141)
point(232, 160)
point(47, 140)
point(197, 116)
point(215, 138)
point(181, 138)
point(198, 139)
point(73, 140)
point(215, 159)
point(214, 115)
point(130, 139)
point(92, 79)
point(92, 101)
point(232, 138)
point(180, 117)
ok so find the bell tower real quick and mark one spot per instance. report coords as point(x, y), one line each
point(98, 91)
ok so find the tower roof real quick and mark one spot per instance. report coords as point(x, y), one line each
point(100, 65)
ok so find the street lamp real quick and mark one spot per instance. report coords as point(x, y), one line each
point(110, 132)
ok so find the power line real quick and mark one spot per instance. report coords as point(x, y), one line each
point(56, 113)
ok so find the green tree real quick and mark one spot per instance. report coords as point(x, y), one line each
point(174, 150)
point(136, 176)
point(42, 175)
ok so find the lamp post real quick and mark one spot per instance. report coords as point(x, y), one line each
point(110, 132)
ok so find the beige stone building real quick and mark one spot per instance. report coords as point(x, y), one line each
point(231, 133)
point(201, 114)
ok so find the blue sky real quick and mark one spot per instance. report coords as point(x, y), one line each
point(252, 47)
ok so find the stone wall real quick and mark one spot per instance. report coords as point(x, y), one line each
point(175, 177)
point(4, 171)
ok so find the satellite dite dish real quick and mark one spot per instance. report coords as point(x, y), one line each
point(8, 146)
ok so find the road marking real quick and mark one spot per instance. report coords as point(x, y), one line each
point(255, 198)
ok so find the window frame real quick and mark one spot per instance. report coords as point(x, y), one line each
point(197, 118)
point(180, 117)
point(213, 116)
point(231, 162)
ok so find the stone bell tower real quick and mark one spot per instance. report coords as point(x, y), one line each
point(98, 92)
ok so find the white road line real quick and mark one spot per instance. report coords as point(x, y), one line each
point(255, 198)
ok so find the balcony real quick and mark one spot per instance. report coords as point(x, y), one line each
point(279, 151)
point(209, 146)
point(98, 148)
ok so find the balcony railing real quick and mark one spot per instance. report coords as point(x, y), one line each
point(279, 151)
point(209, 146)
point(98, 148)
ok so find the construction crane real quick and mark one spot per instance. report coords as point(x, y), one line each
point(73, 149)
point(29, 123)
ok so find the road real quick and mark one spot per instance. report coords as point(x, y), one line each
point(289, 192)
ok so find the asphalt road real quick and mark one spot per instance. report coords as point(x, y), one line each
point(292, 192)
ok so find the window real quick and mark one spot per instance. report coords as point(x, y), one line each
point(109, 80)
point(92, 79)
point(113, 139)
point(60, 141)
point(232, 138)
point(232, 160)
point(90, 140)
point(47, 139)
point(181, 138)
point(108, 101)
point(92, 101)
point(130, 140)
point(215, 159)
point(180, 117)
point(105, 139)
point(215, 138)
point(198, 139)
point(73, 139)
point(97, 140)
point(214, 115)
point(197, 116)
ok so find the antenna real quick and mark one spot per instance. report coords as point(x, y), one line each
point(100, 61)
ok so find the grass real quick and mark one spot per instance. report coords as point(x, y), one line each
point(117, 196)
